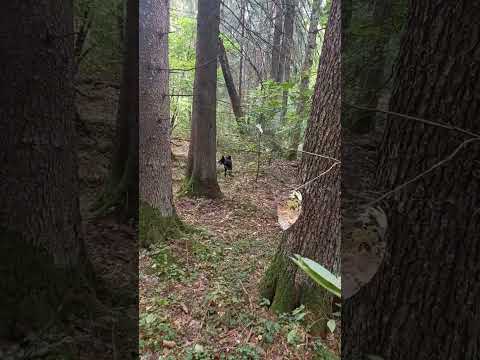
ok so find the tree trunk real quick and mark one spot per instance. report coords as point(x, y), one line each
point(305, 78)
point(42, 251)
point(155, 154)
point(287, 41)
point(287, 52)
point(193, 137)
point(121, 193)
point(316, 234)
point(203, 144)
point(227, 75)
point(240, 65)
point(277, 38)
point(372, 79)
point(423, 301)
point(157, 211)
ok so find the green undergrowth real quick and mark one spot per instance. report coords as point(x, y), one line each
point(155, 229)
point(194, 187)
point(214, 279)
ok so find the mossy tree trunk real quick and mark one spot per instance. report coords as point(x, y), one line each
point(42, 256)
point(202, 171)
point(154, 122)
point(121, 193)
point(316, 234)
point(423, 301)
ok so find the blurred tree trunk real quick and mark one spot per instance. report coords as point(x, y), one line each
point(202, 170)
point(372, 79)
point(305, 78)
point(316, 233)
point(286, 52)
point(277, 38)
point(240, 65)
point(121, 193)
point(423, 301)
point(42, 255)
point(227, 75)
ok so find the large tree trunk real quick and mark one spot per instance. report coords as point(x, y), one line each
point(316, 234)
point(42, 251)
point(277, 38)
point(305, 78)
point(157, 211)
point(227, 75)
point(121, 193)
point(155, 154)
point(423, 301)
point(203, 144)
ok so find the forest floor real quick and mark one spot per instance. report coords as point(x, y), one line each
point(199, 294)
point(111, 247)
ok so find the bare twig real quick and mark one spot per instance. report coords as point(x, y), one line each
point(429, 170)
point(317, 177)
point(428, 122)
point(322, 156)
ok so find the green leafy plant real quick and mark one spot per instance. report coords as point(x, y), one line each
point(198, 352)
point(320, 275)
point(324, 278)
point(247, 352)
point(268, 330)
point(321, 352)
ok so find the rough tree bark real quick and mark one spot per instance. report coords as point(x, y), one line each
point(275, 74)
point(202, 179)
point(423, 301)
point(121, 193)
point(42, 255)
point(157, 211)
point(316, 233)
point(227, 75)
point(154, 122)
point(286, 52)
point(305, 78)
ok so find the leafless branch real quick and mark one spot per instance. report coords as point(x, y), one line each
point(429, 170)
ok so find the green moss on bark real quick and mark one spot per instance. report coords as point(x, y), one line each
point(285, 293)
point(154, 228)
point(194, 187)
point(277, 284)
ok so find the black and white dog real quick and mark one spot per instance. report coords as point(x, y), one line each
point(227, 164)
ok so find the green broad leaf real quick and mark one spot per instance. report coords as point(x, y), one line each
point(331, 324)
point(292, 336)
point(150, 318)
point(198, 348)
point(320, 275)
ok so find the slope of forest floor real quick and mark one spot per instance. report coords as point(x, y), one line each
point(111, 247)
point(199, 294)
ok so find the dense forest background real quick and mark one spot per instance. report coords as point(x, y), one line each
point(239, 179)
